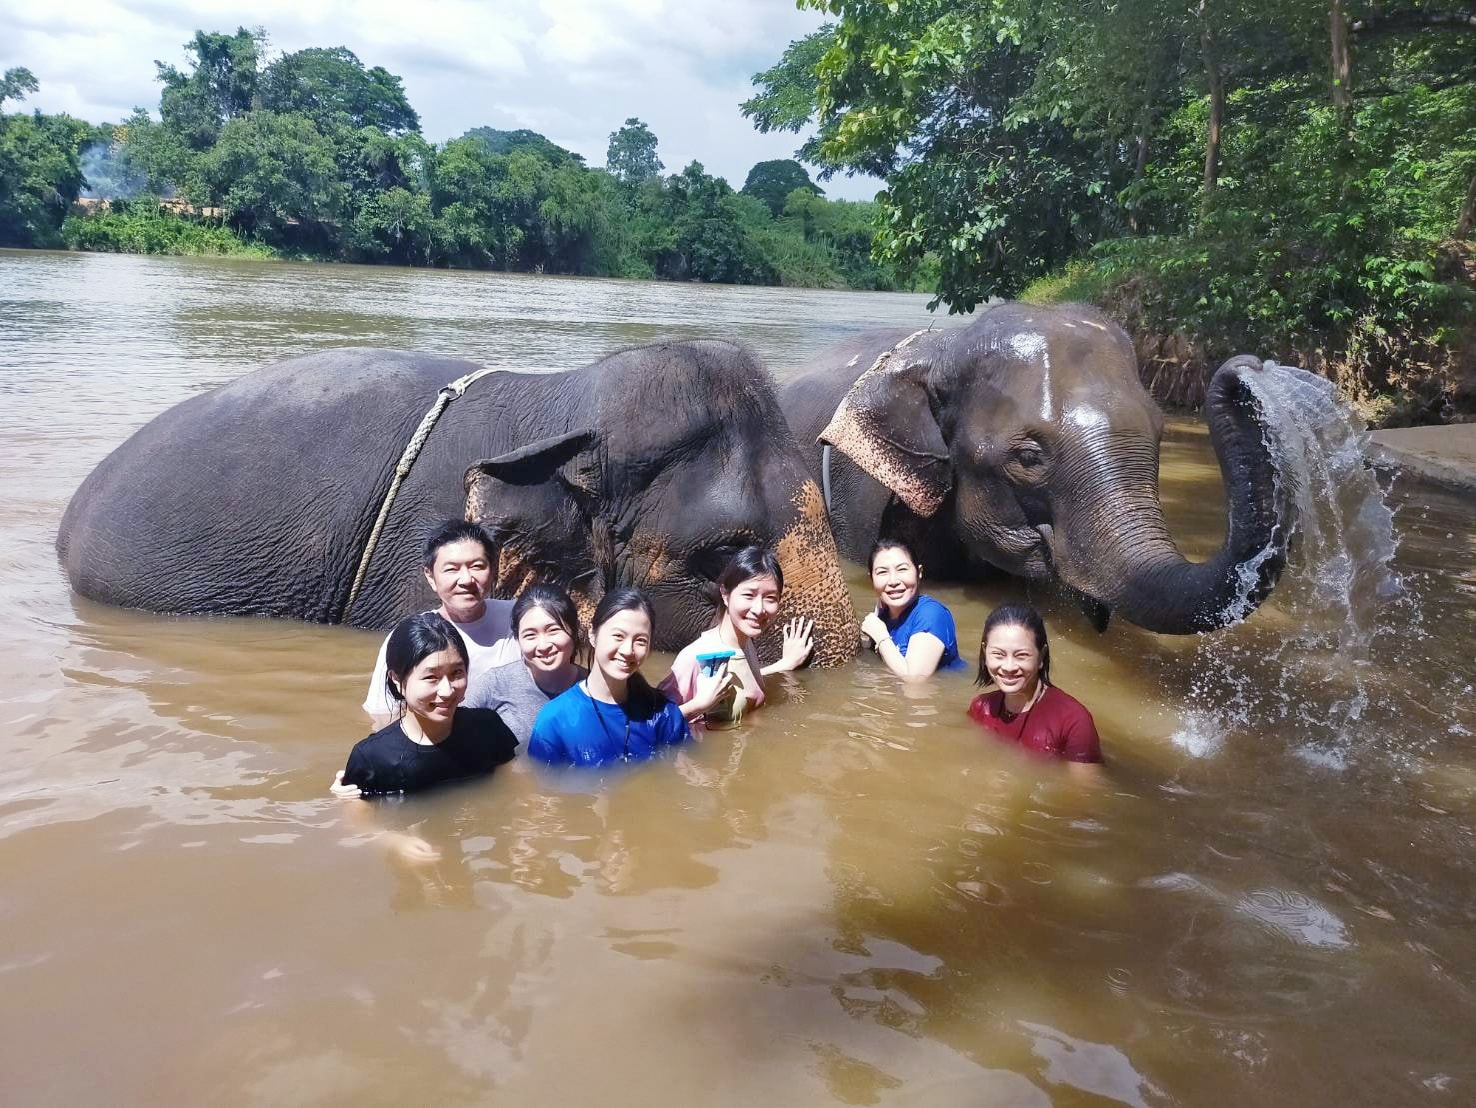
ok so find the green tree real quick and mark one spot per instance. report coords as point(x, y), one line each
point(16, 84)
point(631, 157)
point(272, 172)
point(530, 142)
point(333, 89)
point(221, 85)
point(40, 173)
point(773, 181)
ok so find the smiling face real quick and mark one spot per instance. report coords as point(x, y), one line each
point(460, 576)
point(546, 643)
point(894, 575)
point(434, 686)
point(752, 605)
point(1012, 659)
point(621, 644)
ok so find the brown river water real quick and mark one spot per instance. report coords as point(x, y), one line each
point(855, 899)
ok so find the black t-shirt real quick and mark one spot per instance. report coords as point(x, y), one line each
point(388, 762)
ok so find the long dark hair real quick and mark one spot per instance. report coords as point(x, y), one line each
point(642, 700)
point(555, 601)
point(1016, 615)
point(413, 640)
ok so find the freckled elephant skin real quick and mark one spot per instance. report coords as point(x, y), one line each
point(1023, 441)
point(649, 467)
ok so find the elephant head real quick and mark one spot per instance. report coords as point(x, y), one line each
point(680, 458)
point(1028, 436)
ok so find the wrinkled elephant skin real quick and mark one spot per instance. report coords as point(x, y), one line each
point(1023, 441)
point(649, 467)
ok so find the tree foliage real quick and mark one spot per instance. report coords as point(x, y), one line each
point(773, 181)
point(314, 153)
point(1272, 174)
point(631, 157)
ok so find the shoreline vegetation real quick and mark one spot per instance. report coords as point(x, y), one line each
point(312, 155)
point(1295, 180)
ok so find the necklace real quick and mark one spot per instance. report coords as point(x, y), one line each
point(595, 707)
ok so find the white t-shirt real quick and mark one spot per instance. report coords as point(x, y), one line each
point(489, 643)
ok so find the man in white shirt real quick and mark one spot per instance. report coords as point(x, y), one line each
point(459, 559)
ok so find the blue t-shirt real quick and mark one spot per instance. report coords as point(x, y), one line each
point(575, 729)
point(926, 614)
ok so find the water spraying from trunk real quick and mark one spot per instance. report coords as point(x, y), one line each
point(1339, 592)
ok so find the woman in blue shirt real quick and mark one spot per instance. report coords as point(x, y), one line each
point(913, 634)
point(613, 715)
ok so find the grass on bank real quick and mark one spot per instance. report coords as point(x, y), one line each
point(143, 227)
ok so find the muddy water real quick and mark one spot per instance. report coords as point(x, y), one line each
point(855, 899)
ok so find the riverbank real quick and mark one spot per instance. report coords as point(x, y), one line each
point(1444, 456)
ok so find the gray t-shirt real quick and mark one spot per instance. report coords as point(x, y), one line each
point(510, 691)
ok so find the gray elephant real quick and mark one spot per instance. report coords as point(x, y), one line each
point(1024, 441)
point(650, 467)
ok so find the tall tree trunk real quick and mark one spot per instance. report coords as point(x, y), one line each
point(1215, 77)
point(1467, 221)
point(1342, 62)
point(1145, 143)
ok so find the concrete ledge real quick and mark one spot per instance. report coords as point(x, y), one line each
point(1443, 455)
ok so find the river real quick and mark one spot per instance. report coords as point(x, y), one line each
point(855, 899)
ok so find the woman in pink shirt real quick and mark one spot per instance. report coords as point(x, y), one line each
point(1026, 709)
point(749, 590)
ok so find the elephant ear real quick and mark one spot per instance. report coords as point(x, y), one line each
point(885, 424)
point(540, 504)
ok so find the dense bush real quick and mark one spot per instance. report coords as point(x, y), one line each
point(143, 227)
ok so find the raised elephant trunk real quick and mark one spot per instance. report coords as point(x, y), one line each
point(1116, 547)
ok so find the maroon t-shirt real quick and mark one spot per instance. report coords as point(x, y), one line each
point(1057, 725)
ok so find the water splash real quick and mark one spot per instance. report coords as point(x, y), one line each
point(1303, 666)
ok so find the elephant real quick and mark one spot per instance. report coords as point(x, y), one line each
point(650, 467)
point(1023, 441)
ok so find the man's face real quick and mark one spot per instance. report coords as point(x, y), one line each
point(460, 576)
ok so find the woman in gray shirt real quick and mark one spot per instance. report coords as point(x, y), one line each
point(546, 629)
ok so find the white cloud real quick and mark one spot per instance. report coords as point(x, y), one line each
point(571, 69)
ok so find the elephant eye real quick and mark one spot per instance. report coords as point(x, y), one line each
point(1029, 455)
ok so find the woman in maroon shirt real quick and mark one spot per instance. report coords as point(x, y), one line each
point(1026, 708)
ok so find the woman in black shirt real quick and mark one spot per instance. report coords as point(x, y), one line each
point(434, 740)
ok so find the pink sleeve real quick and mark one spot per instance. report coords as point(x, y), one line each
point(681, 682)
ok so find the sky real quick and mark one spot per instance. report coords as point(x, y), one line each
point(572, 70)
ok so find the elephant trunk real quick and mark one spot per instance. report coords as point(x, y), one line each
point(1120, 551)
point(814, 586)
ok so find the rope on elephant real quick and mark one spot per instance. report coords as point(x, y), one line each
point(402, 470)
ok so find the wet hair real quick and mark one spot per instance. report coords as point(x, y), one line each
point(455, 530)
point(1016, 615)
point(748, 563)
point(888, 544)
point(642, 698)
point(555, 601)
point(413, 640)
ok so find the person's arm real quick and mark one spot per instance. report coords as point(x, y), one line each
point(377, 704)
point(705, 691)
point(799, 643)
point(546, 743)
point(924, 652)
point(1082, 748)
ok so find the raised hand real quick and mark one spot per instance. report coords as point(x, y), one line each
point(799, 643)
